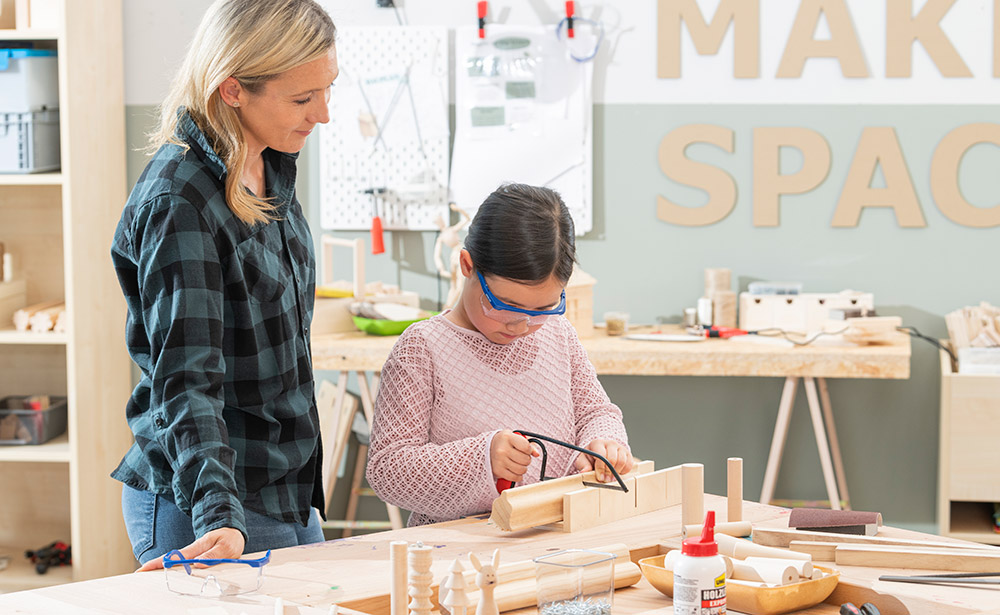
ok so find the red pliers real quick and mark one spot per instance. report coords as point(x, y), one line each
point(723, 332)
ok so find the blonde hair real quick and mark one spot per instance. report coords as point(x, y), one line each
point(252, 41)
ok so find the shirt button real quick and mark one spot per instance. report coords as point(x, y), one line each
point(159, 422)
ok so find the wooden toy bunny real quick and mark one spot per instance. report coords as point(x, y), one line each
point(486, 580)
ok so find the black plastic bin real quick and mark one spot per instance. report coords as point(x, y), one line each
point(25, 426)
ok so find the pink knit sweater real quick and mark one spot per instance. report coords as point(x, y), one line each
point(445, 391)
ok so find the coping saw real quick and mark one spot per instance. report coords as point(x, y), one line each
point(504, 484)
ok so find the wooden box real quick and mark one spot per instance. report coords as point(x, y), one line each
point(580, 302)
point(969, 448)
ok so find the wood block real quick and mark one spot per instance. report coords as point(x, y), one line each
point(822, 551)
point(674, 491)
point(651, 491)
point(891, 556)
point(780, 537)
point(693, 494)
point(581, 509)
point(840, 521)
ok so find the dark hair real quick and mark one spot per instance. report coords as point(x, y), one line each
point(523, 233)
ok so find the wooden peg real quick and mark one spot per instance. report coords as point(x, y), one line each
point(734, 489)
point(398, 592)
point(692, 494)
point(419, 560)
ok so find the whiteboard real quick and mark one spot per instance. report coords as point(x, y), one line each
point(388, 130)
point(523, 114)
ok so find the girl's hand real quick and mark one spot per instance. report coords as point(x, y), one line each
point(619, 456)
point(510, 455)
point(223, 543)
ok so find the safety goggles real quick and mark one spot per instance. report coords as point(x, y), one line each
point(213, 577)
point(497, 310)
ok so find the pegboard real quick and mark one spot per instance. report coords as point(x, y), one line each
point(388, 130)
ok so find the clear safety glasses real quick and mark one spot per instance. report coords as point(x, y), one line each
point(213, 577)
point(499, 311)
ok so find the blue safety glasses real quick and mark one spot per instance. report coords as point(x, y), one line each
point(497, 310)
point(213, 577)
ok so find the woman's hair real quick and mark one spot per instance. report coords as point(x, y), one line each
point(252, 41)
point(523, 233)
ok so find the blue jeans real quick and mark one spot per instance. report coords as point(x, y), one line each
point(156, 526)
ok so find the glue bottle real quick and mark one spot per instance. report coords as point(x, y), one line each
point(700, 574)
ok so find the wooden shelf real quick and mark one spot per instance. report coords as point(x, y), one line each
point(972, 521)
point(12, 336)
point(31, 179)
point(55, 450)
point(20, 573)
point(28, 35)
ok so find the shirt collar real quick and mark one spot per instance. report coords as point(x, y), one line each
point(279, 167)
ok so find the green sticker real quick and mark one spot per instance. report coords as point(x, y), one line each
point(487, 116)
point(511, 42)
point(520, 89)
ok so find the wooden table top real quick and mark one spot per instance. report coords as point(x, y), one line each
point(827, 357)
point(356, 571)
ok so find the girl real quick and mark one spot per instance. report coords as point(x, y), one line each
point(456, 386)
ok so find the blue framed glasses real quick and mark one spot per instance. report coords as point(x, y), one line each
point(213, 577)
point(497, 310)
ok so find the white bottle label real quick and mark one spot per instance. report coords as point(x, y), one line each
point(692, 599)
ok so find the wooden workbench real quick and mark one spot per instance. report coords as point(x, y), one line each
point(827, 357)
point(355, 571)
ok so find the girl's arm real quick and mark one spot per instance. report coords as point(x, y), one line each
point(441, 481)
point(599, 424)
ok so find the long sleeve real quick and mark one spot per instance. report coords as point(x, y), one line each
point(595, 415)
point(182, 301)
point(436, 480)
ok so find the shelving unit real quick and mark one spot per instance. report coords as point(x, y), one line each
point(59, 227)
point(968, 482)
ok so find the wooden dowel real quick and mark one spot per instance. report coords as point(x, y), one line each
point(398, 595)
point(734, 489)
point(741, 528)
point(692, 494)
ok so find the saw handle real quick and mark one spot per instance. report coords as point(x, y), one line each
point(503, 484)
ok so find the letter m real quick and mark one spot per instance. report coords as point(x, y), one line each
point(707, 37)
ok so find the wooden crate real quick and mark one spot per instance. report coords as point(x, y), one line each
point(969, 462)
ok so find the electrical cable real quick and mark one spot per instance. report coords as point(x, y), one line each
point(578, 20)
point(785, 334)
point(912, 332)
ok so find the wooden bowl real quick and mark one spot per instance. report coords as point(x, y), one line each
point(753, 600)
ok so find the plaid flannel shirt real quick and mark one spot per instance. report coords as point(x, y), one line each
point(224, 414)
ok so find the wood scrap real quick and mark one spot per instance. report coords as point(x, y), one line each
point(781, 537)
point(23, 316)
point(974, 326)
point(893, 556)
point(546, 502)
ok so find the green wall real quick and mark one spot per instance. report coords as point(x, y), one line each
point(888, 429)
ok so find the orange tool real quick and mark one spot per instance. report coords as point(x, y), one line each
point(378, 241)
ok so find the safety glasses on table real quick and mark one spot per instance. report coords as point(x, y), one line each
point(213, 577)
point(499, 311)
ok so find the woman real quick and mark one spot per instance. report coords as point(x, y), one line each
point(215, 259)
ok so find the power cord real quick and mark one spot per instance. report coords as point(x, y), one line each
point(912, 332)
point(785, 334)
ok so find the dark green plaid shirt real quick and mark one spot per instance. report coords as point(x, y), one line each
point(224, 415)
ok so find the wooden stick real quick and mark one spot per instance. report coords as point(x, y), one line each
point(692, 494)
point(734, 489)
point(822, 551)
point(739, 529)
point(397, 559)
point(741, 549)
point(888, 556)
point(781, 537)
